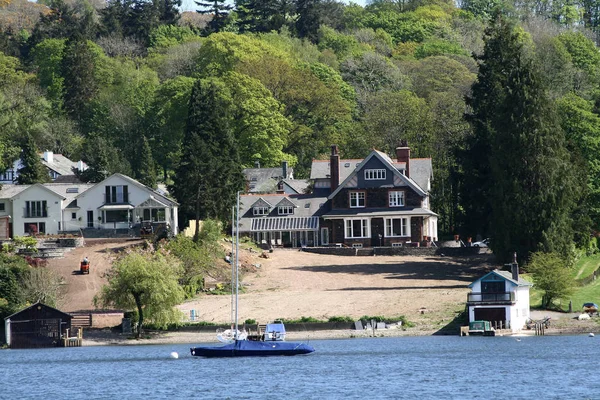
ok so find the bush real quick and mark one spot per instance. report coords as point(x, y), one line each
point(28, 242)
point(340, 319)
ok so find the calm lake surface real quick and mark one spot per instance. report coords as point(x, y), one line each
point(450, 367)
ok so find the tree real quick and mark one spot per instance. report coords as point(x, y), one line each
point(309, 19)
point(261, 16)
point(13, 270)
point(209, 173)
point(43, 285)
point(145, 169)
point(517, 161)
point(147, 282)
point(551, 275)
point(33, 171)
point(79, 81)
point(219, 11)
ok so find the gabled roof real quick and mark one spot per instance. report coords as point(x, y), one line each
point(42, 305)
point(505, 275)
point(61, 164)
point(286, 202)
point(261, 203)
point(43, 186)
point(297, 185)
point(386, 161)
point(162, 198)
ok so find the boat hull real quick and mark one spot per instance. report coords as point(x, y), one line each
point(247, 348)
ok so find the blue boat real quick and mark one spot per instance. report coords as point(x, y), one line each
point(250, 348)
point(270, 344)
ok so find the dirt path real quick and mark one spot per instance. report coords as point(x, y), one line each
point(294, 284)
point(81, 289)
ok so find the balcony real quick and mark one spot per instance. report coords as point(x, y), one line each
point(35, 213)
point(504, 298)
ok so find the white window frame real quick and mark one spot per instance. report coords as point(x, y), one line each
point(355, 198)
point(396, 198)
point(426, 202)
point(285, 210)
point(365, 228)
point(260, 211)
point(389, 226)
point(375, 174)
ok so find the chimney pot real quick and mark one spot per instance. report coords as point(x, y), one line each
point(515, 268)
point(284, 169)
point(334, 168)
point(256, 164)
point(49, 156)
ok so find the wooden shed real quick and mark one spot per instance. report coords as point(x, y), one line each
point(37, 326)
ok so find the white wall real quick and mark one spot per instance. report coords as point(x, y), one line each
point(54, 206)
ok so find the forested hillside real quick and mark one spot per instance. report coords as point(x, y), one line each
point(503, 96)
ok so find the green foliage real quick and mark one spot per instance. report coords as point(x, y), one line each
point(165, 36)
point(250, 322)
point(340, 319)
point(32, 171)
point(147, 282)
point(79, 84)
point(13, 270)
point(552, 276)
point(27, 242)
point(438, 47)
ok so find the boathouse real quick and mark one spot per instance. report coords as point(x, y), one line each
point(501, 297)
point(39, 326)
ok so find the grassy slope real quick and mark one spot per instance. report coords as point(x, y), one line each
point(582, 294)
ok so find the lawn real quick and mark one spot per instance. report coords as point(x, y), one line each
point(582, 294)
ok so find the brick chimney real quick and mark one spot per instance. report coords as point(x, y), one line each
point(334, 167)
point(49, 156)
point(284, 169)
point(403, 156)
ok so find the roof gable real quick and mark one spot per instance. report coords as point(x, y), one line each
point(389, 165)
point(504, 276)
point(285, 202)
point(39, 185)
point(261, 203)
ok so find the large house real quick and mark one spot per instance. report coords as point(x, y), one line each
point(265, 180)
point(60, 168)
point(359, 203)
point(117, 203)
point(501, 297)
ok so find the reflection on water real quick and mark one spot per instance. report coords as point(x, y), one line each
point(556, 367)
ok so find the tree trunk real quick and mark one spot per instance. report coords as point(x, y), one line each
point(196, 238)
point(138, 303)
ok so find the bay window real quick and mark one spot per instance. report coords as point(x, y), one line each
point(357, 228)
point(396, 227)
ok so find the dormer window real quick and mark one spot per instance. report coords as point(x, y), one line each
point(285, 210)
point(375, 174)
point(261, 210)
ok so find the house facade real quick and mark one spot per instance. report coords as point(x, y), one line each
point(357, 203)
point(59, 167)
point(265, 180)
point(117, 203)
point(501, 297)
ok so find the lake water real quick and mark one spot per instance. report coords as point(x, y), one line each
point(433, 367)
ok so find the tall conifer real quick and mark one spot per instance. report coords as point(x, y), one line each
point(209, 173)
point(33, 171)
point(518, 170)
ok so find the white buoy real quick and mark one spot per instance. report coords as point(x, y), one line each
point(174, 355)
point(591, 334)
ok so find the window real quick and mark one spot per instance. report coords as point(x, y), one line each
point(2, 207)
point(357, 199)
point(286, 210)
point(8, 175)
point(375, 174)
point(395, 227)
point(154, 214)
point(357, 228)
point(261, 210)
point(396, 198)
point(33, 228)
point(117, 216)
point(73, 215)
point(36, 209)
point(116, 194)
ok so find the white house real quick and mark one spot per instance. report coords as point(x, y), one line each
point(118, 202)
point(500, 297)
point(57, 165)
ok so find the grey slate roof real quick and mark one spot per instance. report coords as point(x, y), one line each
point(307, 205)
point(264, 180)
point(506, 275)
point(9, 191)
point(298, 185)
point(60, 164)
point(421, 169)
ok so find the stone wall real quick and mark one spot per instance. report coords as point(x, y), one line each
point(400, 251)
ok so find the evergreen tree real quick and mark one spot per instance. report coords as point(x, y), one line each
point(79, 81)
point(262, 15)
point(146, 167)
point(219, 11)
point(33, 171)
point(309, 19)
point(209, 173)
point(518, 169)
point(97, 159)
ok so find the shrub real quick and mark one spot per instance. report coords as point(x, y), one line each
point(340, 319)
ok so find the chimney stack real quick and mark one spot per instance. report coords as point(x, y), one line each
point(334, 167)
point(403, 156)
point(515, 268)
point(284, 169)
point(256, 164)
point(49, 156)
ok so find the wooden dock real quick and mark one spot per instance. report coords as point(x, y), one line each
point(73, 341)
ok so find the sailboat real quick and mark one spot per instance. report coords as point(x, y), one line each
point(240, 346)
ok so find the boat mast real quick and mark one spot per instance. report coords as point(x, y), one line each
point(231, 259)
point(237, 272)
